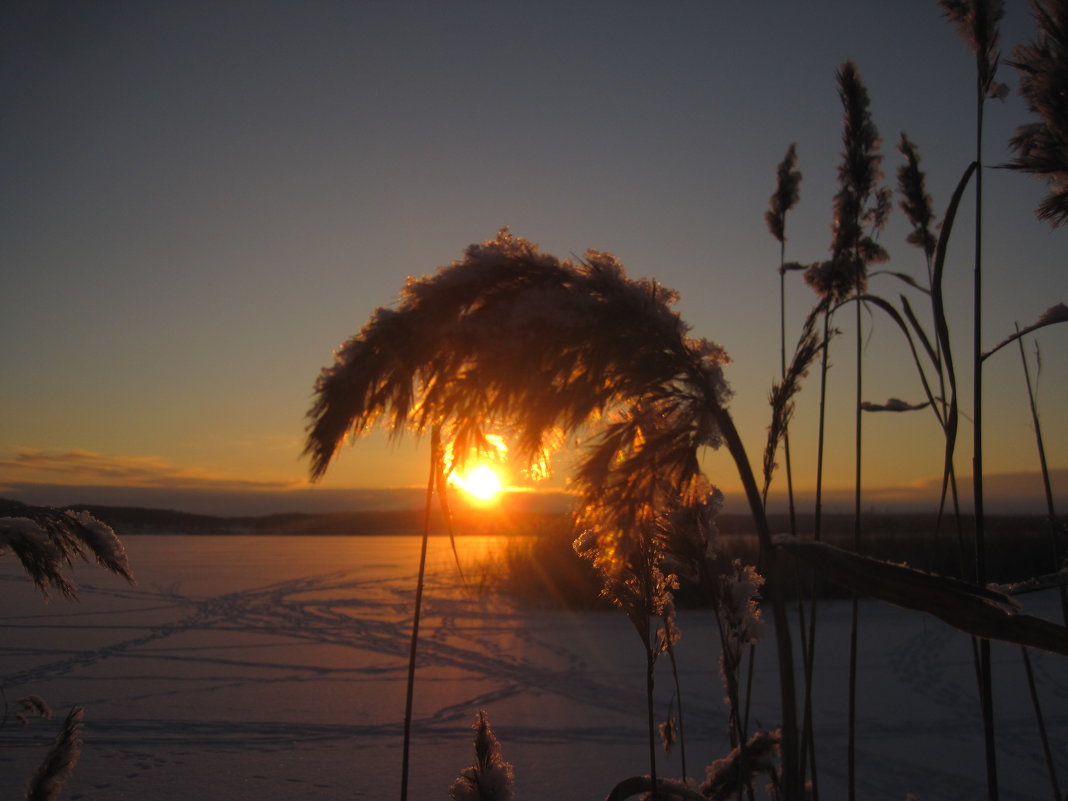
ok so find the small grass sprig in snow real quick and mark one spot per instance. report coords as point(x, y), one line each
point(56, 769)
point(490, 778)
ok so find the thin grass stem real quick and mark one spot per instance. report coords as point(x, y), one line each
point(1050, 768)
point(435, 448)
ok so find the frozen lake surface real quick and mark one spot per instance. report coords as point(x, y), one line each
point(274, 668)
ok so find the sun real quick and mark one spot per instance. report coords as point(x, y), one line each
point(481, 482)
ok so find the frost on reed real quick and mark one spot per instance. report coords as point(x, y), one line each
point(738, 610)
point(1042, 147)
point(736, 601)
point(56, 769)
point(46, 541)
point(733, 775)
point(490, 778)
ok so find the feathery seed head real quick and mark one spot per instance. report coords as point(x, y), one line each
point(977, 23)
point(787, 193)
point(58, 765)
point(1042, 147)
point(915, 201)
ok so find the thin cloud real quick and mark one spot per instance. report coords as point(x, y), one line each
point(81, 467)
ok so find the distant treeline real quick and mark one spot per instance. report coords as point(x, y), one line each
point(544, 565)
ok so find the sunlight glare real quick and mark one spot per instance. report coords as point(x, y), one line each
point(482, 483)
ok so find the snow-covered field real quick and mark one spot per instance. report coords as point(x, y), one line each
point(274, 668)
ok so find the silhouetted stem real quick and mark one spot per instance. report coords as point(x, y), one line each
point(782, 355)
point(650, 664)
point(986, 687)
point(1050, 510)
point(851, 751)
point(678, 694)
point(791, 784)
point(1041, 725)
point(406, 751)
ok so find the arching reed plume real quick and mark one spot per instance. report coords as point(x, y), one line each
point(1042, 147)
point(513, 337)
point(46, 540)
point(977, 21)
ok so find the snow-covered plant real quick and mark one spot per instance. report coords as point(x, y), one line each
point(733, 775)
point(490, 778)
point(46, 540)
point(737, 606)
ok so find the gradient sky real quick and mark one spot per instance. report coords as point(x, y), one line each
point(203, 199)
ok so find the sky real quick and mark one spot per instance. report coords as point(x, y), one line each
point(202, 200)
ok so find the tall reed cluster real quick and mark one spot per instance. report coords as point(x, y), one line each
point(511, 342)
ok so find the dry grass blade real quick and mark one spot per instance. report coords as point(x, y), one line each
point(942, 326)
point(56, 769)
point(1051, 316)
point(974, 610)
point(893, 405)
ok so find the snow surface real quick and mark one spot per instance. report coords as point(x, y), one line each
point(274, 668)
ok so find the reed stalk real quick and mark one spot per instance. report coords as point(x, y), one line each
point(1051, 512)
point(977, 21)
point(435, 470)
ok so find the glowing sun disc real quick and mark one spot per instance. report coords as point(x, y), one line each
point(482, 483)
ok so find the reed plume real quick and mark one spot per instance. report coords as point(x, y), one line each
point(787, 193)
point(977, 21)
point(514, 338)
point(915, 202)
point(46, 540)
point(58, 765)
point(490, 778)
point(1042, 147)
